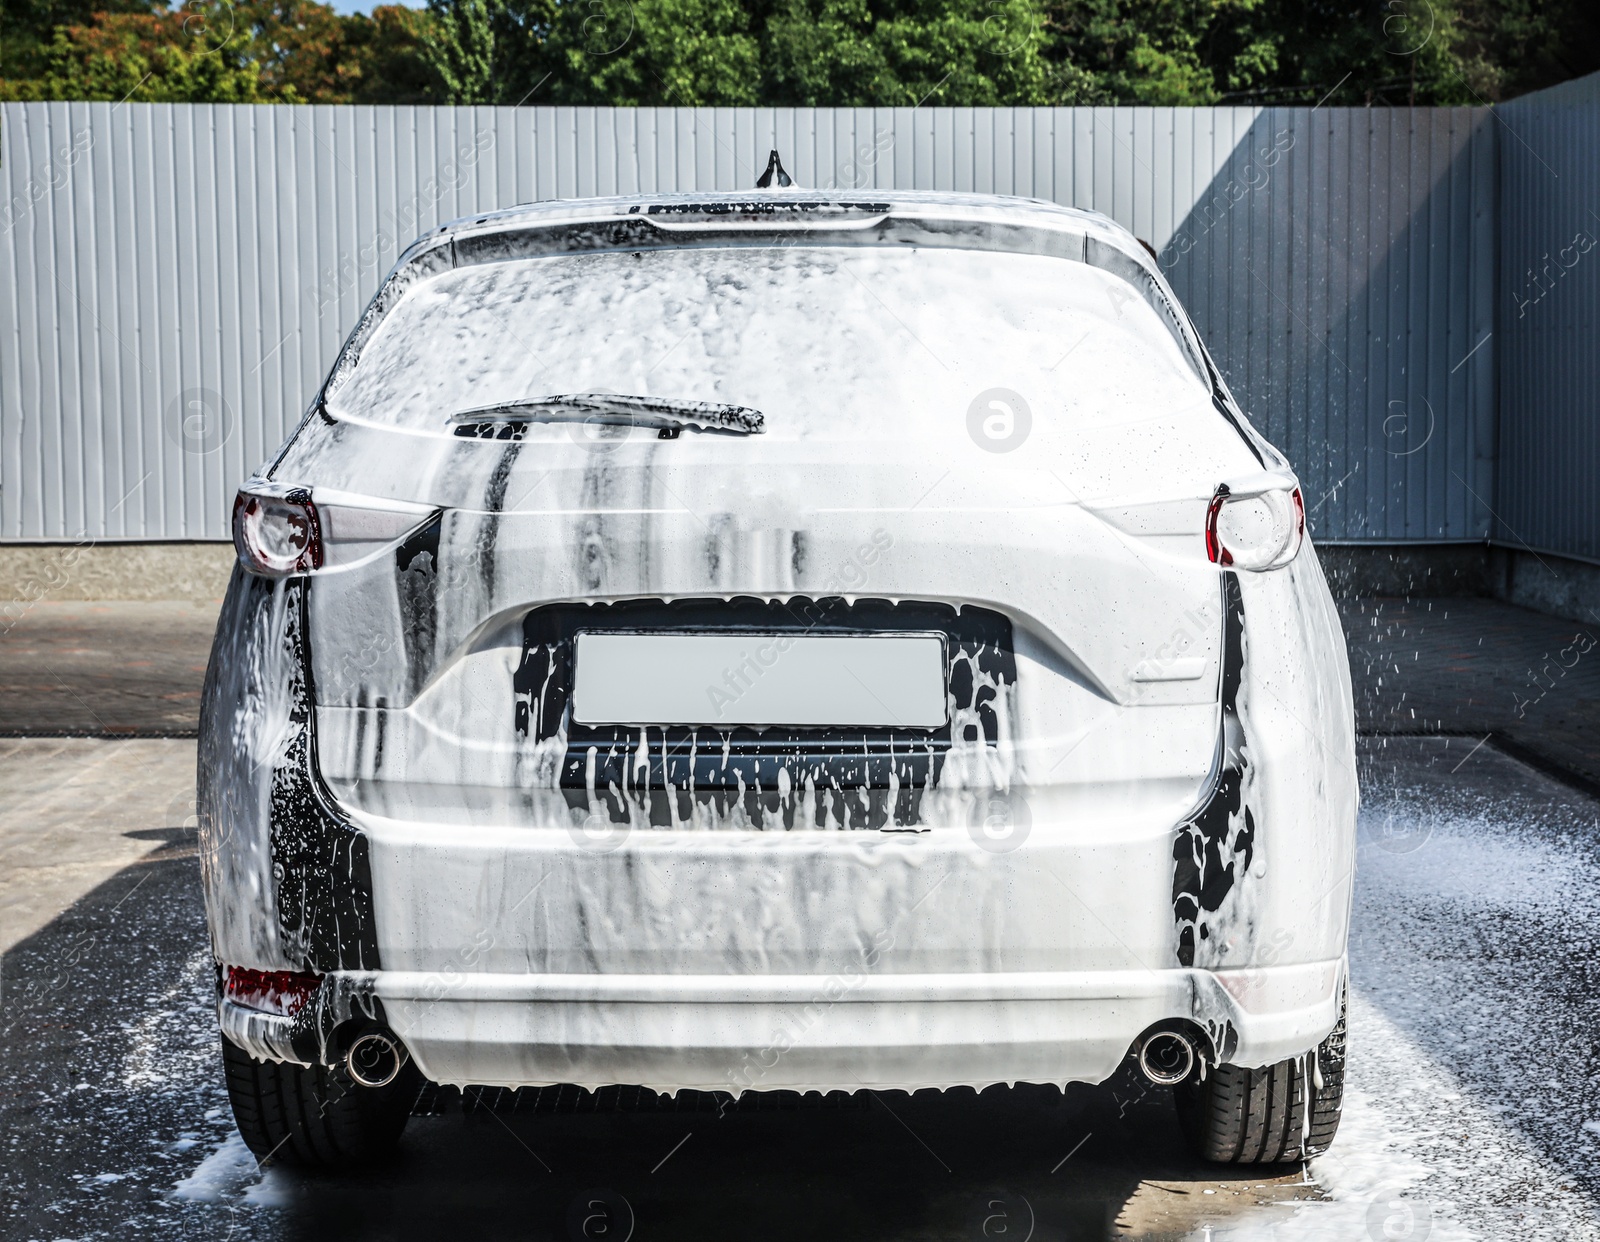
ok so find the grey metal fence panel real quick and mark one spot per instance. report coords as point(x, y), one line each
point(177, 279)
point(1335, 265)
point(1549, 314)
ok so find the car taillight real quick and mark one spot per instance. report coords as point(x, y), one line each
point(283, 992)
point(1255, 523)
point(276, 530)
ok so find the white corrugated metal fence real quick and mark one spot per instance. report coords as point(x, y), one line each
point(176, 279)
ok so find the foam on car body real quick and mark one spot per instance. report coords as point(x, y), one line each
point(1214, 846)
point(270, 829)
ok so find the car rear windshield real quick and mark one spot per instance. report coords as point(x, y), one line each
point(847, 341)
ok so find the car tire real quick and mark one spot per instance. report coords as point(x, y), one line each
point(312, 1116)
point(1238, 1115)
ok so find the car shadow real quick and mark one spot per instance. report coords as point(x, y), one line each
point(1004, 1163)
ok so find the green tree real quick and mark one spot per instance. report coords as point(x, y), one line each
point(683, 52)
point(799, 52)
point(388, 55)
point(459, 48)
point(1400, 52)
point(904, 52)
point(644, 52)
point(27, 28)
point(149, 58)
point(1363, 52)
point(252, 51)
point(728, 52)
point(306, 49)
point(1172, 52)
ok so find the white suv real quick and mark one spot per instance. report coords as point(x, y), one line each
point(777, 641)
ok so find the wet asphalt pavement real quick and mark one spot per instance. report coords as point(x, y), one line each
point(123, 668)
point(1472, 1109)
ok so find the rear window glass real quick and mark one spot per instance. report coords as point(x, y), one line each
point(853, 341)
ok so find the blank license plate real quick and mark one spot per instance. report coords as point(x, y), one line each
point(846, 680)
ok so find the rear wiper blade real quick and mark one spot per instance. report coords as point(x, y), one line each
point(499, 422)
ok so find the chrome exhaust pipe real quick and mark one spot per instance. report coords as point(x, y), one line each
point(1167, 1057)
point(375, 1059)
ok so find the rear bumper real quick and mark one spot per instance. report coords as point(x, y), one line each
point(829, 961)
point(845, 1031)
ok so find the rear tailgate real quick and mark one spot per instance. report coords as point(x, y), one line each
point(1079, 641)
